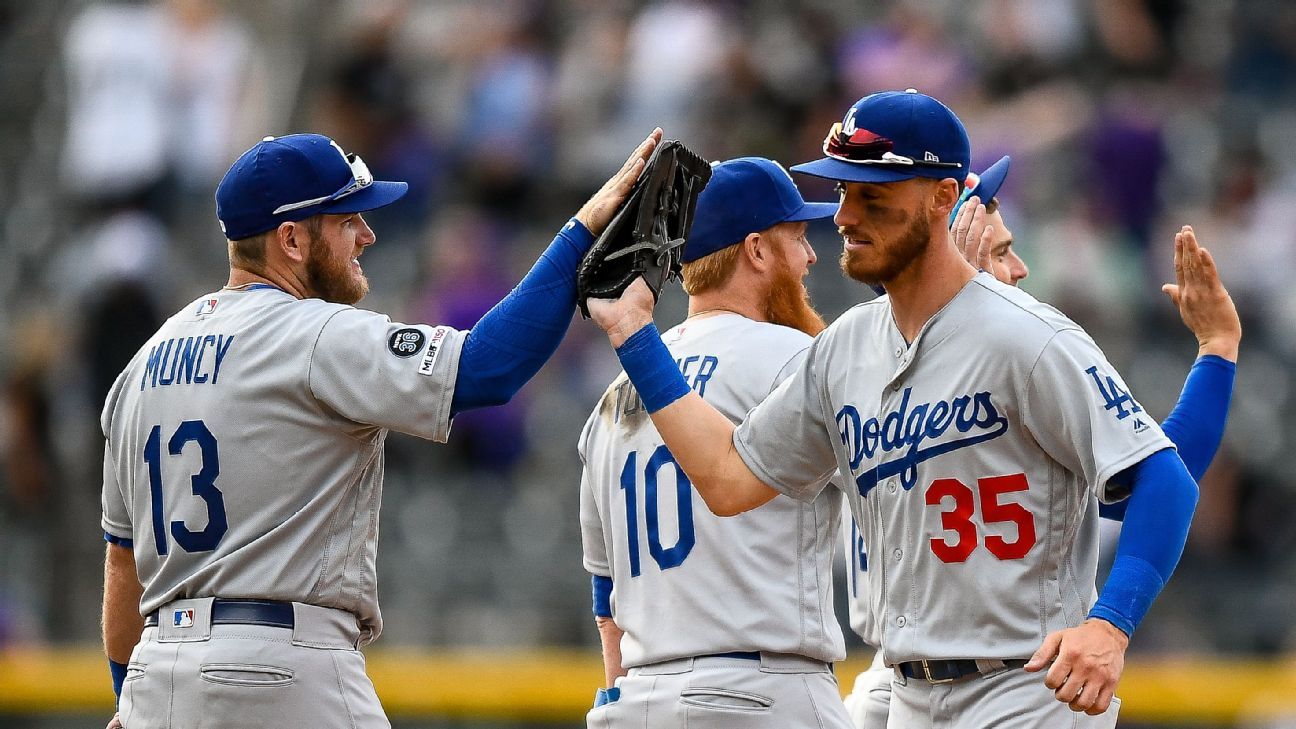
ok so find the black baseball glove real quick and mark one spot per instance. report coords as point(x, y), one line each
point(646, 235)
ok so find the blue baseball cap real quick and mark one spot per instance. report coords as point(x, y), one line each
point(892, 136)
point(985, 185)
point(746, 195)
point(293, 178)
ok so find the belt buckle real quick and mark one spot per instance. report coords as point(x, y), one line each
point(928, 676)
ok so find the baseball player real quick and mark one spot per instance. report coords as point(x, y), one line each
point(1195, 426)
point(244, 457)
point(975, 431)
point(708, 621)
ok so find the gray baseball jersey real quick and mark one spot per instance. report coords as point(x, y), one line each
point(973, 458)
point(244, 451)
point(686, 582)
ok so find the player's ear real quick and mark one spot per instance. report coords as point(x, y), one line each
point(756, 248)
point(945, 195)
point(291, 239)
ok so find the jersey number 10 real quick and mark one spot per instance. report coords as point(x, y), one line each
point(203, 484)
point(665, 558)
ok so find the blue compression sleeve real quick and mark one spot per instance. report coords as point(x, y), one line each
point(602, 595)
point(1160, 511)
point(1196, 425)
point(519, 334)
point(118, 671)
point(652, 369)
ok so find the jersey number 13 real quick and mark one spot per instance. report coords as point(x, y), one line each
point(202, 483)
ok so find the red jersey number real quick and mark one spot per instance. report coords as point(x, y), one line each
point(958, 518)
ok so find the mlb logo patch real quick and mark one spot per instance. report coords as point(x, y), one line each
point(183, 618)
point(427, 366)
point(207, 306)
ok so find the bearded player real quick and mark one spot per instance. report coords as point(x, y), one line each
point(974, 429)
point(1196, 425)
point(707, 621)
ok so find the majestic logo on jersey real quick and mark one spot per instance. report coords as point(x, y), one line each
point(207, 306)
point(908, 427)
point(1114, 397)
point(405, 342)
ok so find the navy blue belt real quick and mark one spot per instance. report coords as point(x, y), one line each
point(946, 671)
point(233, 612)
point(746, 655)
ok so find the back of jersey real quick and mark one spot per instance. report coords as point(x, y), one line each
point(686, 582)
point(244, 449)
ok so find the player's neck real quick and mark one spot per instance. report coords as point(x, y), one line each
point(239, 278)
point(722, 301)
point(926, 286)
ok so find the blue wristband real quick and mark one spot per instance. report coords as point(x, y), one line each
point(652, 369)
point(1128, 594)
point(602, 595)
point(118, 671)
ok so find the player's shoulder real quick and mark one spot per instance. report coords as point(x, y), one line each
point(754, 342)
point(1012, 315)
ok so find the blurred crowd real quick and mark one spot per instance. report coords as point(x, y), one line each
point(1124, 118)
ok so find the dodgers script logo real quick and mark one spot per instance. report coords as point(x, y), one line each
point(908, 427)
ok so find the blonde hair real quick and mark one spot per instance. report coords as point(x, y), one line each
point(710, 271)
point(249, 254)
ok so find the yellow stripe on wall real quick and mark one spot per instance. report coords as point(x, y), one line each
point(557, 685)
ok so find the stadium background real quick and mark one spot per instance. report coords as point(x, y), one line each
point(1125, 118)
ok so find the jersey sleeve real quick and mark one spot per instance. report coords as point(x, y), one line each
point(1082, 414)
point(399, 376)
point(116, 521)
point(593, 545)
point(784, 440)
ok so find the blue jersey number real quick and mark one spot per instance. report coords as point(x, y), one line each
point(665, 558)
point(859, 558)
point(203, 484)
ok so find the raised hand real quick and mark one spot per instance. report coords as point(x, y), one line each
point(1203, 302)
point(620, 318)
point(973, 236)
point(597, 212)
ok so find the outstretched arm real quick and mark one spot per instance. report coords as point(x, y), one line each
point(698, 436)
point(1196, 425)
point(518, 335)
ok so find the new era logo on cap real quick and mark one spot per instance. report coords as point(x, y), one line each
point(893, 136)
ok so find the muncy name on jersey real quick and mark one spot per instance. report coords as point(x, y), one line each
point(186, 360)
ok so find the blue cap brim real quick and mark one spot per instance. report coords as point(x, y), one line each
point(380, 194)
point(835, 169)
point(813, 211)
point(992, 179)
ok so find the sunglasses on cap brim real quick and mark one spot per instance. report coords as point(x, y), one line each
point(360, 179)
point(867, 148)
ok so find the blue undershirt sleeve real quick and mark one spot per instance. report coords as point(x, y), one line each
point(602, 595)
point(1196, 425)
point(518, 335)
point(118, 671)
point(1161, 506)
